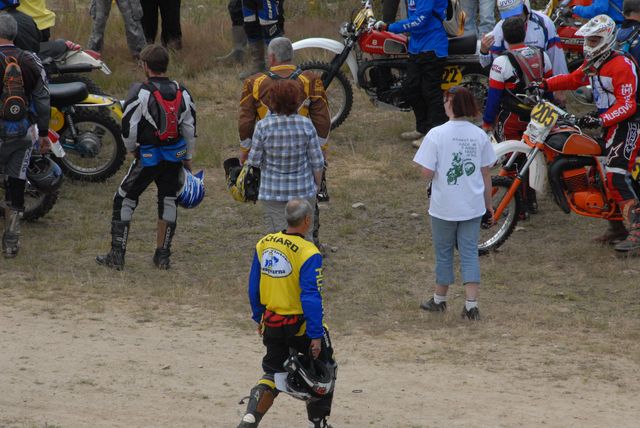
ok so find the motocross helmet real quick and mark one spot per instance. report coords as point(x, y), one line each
point(6, 4)
point(510, 8)
point(599, 26)
point(308, 378)
point(192, 190)
point(44, 174)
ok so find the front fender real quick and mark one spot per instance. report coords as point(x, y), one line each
point(538, 168)
point(103, 101)
point(331, 46)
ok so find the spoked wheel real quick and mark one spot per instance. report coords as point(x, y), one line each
point(496, 235)
point(478, 84)
point(97, 151)
point(92, 86)
point(37, 203)
point(339, 92)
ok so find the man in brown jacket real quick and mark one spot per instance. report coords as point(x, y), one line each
point(255, 93)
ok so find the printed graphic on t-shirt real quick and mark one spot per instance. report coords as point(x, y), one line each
point(462, 163)
point(275, 264)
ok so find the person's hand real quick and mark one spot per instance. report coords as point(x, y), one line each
point(486, 43)
point(380, 26)
point(567, 12)
point(487, 218)
point(72, 46)
point(187, 164)
point(591, 120)
point(260, 329)
point(45, 144)
point(244, 155)
point(315, 347)
point(536, 85)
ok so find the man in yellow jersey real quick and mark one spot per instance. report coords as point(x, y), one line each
point(284, 292)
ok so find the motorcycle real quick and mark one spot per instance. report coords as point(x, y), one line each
point(377, 61)
point(39, 195)
point(556, 150)
point(63, 60)
point(91, 138)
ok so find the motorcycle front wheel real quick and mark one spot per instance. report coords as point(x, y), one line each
point(478, 85)
point(496, 235)
point(36, 203)
point(97, 150)
point(339, 93)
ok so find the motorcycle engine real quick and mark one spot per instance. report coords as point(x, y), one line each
point(383, 79)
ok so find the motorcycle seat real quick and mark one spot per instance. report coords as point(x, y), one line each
point(66, 94)
point(464, 45)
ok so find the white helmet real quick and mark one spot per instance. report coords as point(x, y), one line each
point(599, 26)
point(510, 8)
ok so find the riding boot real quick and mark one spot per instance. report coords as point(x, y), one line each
point(256, 63)
point(164, 236)
point(236, 56)
point(615, 233)
point(11, 235)
point(260, 400)
point(119, 235)
point(631, 214)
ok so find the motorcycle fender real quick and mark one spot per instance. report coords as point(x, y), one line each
point(331, 46)
point(508, 146)
point(81, 57)
point(103, 101)
point(538, 173)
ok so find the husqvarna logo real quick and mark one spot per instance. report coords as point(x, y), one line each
point(626, 90)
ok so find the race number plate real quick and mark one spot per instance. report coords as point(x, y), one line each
point(451, 77)
point(543, 118)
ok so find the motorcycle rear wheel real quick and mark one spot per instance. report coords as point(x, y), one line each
point(96, 126)
point(92, 86)
point(493, 237)
point(339, 92)
point(478, 85)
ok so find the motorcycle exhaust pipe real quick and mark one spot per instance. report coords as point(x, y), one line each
point(556, 181)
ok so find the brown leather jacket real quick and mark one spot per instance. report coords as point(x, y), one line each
point(313, 103)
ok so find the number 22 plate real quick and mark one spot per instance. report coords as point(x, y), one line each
point(452, 76)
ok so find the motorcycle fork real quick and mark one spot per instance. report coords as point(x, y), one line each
point(337, 62)
point(517, 181)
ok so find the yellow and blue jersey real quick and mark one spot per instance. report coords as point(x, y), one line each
point(286, 278)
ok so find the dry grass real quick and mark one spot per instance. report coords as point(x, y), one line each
point(548, 284)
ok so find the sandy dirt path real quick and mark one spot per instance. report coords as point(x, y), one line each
point(74, 369)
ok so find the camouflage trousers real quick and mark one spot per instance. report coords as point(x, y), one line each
point(131, 11)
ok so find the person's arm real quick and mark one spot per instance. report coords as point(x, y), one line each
point(247, 118)
point(315, 155)
point(488, 189)
point(131, 118)
point(319, 110)
point(254, 157)
point(40, 95)
point(597, 7)
point(419, 19)
point(496, 89)
point(257, 308)
point(566, 81)
point(311, 279)
point(625, 85)
point(188, 123)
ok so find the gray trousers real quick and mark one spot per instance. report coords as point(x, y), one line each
point(276, 221)
point(131, 11)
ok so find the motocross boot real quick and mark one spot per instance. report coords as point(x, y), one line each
point(256, 63)
point(115, 258)
point(319, 423)
point(236, 56)
point(260, 400)
point(11, 235)
point(631, 213)
point(165, 233)
point(615, 233)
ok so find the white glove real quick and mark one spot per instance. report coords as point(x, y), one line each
point(380, 26)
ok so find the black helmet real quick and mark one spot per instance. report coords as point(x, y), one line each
point(309, 378)
point(44, 174)
point(4, 4)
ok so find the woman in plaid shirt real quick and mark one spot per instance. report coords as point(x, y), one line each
point(286, 148)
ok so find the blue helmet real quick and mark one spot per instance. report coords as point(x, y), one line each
point(192, 191)
point(4, 4)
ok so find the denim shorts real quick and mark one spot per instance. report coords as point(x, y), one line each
point(444, 235)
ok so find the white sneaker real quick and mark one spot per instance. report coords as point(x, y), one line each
point(411, 135)
point(417, 143)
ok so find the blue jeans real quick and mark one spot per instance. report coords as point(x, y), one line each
point(482, 11)
point(445, 234)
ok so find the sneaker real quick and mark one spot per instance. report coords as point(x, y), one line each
point(431, 306)
point(472, 314)
point(417, 143)
point(412, 135)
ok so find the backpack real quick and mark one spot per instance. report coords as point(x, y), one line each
point(454, 19)
point(528, 69)
point(13, 98)
point(167, 130)
point(296, 75)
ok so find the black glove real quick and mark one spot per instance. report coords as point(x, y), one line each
point(487, 220)
point(567, 12)
point(591, 120)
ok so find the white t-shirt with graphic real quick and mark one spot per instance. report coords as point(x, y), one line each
point(456, 151)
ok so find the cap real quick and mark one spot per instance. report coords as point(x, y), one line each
point(510, 8)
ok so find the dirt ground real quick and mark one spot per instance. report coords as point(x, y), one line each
point(69, 368)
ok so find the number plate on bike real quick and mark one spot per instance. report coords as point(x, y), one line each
point(452, 76)
point(543, 118)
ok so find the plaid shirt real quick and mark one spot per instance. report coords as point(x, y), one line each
point(287, 151)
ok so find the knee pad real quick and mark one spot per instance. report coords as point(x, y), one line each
point(123, 207)
point(260, 400)
point(167, 209)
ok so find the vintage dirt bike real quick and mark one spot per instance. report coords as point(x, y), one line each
point(377, 62)
point(556, 149)
point(90, 136)
point(67, 62)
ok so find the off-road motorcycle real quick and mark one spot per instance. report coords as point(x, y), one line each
point(377, 62)
point(556, 149)
point(90, 136)
point(65, 62)
point(41, 191)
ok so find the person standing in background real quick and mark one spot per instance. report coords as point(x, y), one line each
point(480, 16)
point(171, 35)
point(238, 35)
point(131, 14)
point(44, 18)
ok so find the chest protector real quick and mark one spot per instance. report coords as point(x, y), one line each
point(168, 120)
point(263, 109)
point(528, 65)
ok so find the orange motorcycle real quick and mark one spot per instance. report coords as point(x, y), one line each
point(557, 152)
